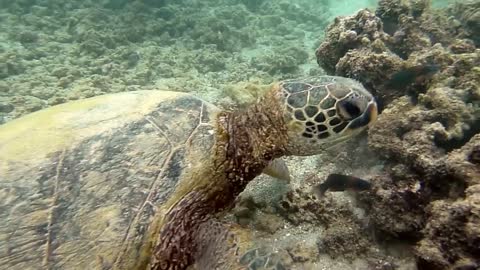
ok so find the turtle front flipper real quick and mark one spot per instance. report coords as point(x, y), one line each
point(218, 246)
point(191, 235)
point(261, 259)
point(229, 247)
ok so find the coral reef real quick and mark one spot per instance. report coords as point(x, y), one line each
point(428, 191)
point(371, 47)
point(467, 12)
point(343, 231)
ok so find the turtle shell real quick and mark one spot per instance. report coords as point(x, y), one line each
point(82, 182)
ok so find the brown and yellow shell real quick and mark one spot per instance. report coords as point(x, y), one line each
point(82, 184)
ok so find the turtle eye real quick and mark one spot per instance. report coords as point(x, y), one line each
point(348, 109)
point(352, 109)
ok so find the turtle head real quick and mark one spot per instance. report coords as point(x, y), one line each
point(321, 112)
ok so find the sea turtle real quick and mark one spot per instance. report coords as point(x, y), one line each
point(136, 180)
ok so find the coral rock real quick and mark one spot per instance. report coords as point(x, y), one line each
point(428, 190)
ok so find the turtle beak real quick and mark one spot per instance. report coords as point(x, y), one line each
point(373, 112)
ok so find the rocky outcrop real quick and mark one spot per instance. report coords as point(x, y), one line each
point(422, 64)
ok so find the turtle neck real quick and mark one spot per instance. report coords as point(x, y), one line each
point(246, 142)
point(251, 138)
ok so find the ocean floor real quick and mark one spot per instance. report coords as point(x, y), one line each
point(54, 51)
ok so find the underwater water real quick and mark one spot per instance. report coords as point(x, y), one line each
point(88, 180)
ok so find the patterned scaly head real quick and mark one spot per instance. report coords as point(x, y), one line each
point(323, 111)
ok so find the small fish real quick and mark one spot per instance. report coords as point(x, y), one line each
point(340, 182)
point(415, 74)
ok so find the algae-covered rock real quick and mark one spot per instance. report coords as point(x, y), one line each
point(189, 46)
point(423, 66)
point(468, 13)
point(452, 234)
point(26, 104)
point(221, 35)
point(343, 241)
point(11, 64)
point(6, 107)
point(345, 34)
point(400, 35)
point(374, 69)
point(284, 60)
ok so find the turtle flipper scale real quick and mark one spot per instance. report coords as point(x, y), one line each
point(228, 247)
point(260, 259)
point(217, 246)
